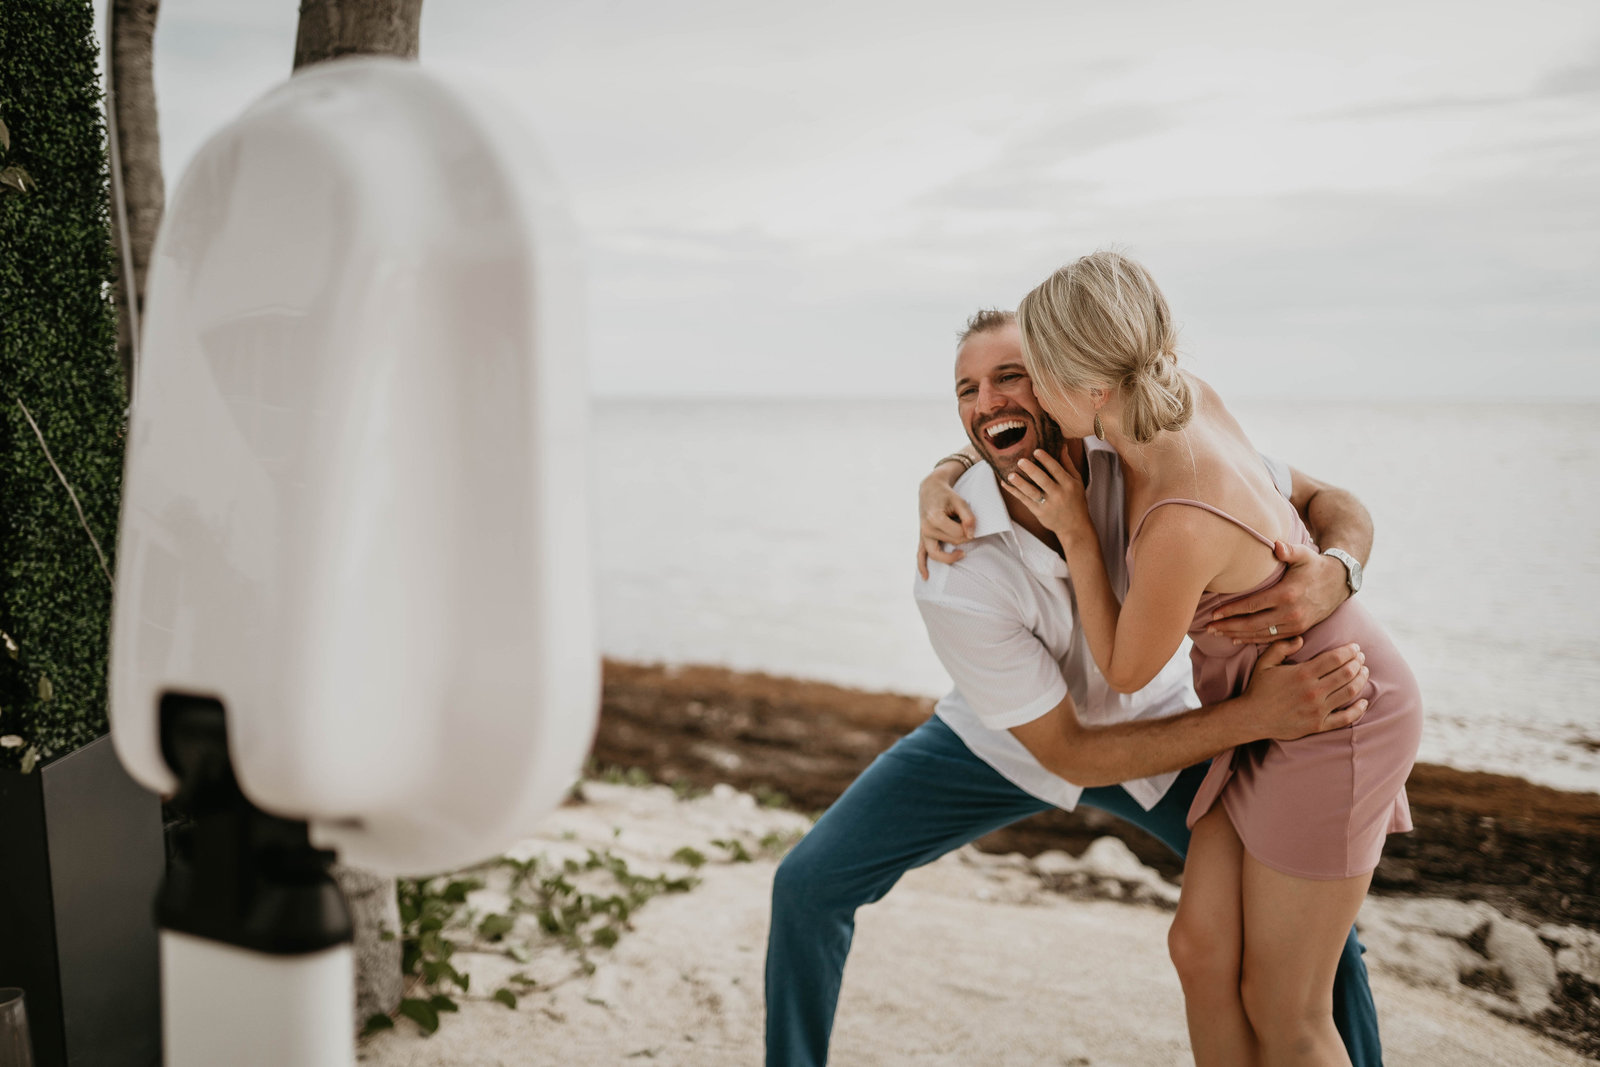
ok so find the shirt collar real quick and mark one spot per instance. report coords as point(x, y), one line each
point(981, 489)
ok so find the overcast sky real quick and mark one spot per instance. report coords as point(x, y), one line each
point(1381, 200)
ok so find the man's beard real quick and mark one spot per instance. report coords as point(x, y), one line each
point(1046, 429)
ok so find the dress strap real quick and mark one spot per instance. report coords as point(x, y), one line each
point(1246, 527)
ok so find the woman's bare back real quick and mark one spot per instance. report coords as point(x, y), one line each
point(1212, 461)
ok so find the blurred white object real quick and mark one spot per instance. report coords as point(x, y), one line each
point(353, 507)
point(226, 1005)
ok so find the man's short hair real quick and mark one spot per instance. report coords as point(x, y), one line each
point(985, 320)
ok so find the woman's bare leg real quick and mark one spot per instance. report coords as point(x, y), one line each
point(1294, 932)
point(1206, 945)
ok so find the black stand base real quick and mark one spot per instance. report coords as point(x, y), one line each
point(238, 875)
point(80, 860)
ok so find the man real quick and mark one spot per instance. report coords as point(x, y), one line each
point(1031, 724)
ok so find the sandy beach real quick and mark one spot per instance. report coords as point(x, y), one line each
point(976, 959)
point(1482, 936)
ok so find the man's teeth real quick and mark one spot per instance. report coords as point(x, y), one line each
point(1002, 427)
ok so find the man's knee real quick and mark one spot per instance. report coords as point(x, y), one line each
point(805, 879)
point(818, 875)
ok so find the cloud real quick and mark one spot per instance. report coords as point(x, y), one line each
point(1580, 79)
point(810, 198)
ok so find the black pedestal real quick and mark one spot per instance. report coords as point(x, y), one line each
point(81, 859)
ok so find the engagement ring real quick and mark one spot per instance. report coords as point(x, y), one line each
point(1273, 630)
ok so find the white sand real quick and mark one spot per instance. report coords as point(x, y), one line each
point(968, 961)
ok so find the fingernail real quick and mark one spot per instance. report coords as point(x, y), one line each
point(1011, 477)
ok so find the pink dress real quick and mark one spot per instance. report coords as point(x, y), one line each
point(1321, 806)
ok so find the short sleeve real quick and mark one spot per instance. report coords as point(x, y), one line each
point(1004, 672)
point(1280, 475)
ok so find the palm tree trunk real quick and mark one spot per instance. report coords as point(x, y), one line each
point(330, 29)
point(136, 155)
point(333, 28)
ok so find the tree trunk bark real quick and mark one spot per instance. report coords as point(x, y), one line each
point(333, 28)
point(132, 103)
point(379, 983)
point(330, 29)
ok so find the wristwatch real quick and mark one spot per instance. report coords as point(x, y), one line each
point(1352, 568)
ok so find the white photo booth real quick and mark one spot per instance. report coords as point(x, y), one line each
point(353, 611)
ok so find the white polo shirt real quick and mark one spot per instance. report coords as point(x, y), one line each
point(1004, 622)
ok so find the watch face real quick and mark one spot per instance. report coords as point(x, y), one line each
point(1352, 567)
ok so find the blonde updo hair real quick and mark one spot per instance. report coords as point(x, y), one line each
point(1102, 322)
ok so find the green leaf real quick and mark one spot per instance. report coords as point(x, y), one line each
point(375, 1023)
point(519, 953)
point(11, 645)
point(440, 1002)
point(736, 850)
point(46, 690)
point(506, 997)
point(606, 936)
point(422, 1013)
point(456, 892)
point(29, 759)
point(690, 857)
point(494, 927)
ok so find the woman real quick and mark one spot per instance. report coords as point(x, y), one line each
point(1285, 834)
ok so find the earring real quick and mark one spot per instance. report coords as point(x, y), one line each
point(1099, 430)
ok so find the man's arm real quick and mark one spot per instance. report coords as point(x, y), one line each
point(1315, 584)
point(945, 517)
point(1335, 517)
point(1283, 701)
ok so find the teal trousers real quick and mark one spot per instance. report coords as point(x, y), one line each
point(926, 796)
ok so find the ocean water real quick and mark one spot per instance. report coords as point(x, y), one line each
point(779, 536)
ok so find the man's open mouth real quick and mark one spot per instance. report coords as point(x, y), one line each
point(1005, 433)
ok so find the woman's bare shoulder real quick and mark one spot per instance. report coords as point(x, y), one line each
point(1218, 465)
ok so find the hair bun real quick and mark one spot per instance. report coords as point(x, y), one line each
point(1157, 397)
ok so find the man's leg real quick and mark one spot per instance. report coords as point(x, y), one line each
point(925, 796)
point(1355, 1016)
point(1354, 1013)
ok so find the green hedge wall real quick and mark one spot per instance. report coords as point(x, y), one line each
point(58, 359)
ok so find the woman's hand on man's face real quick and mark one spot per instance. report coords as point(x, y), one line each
point(1054, 493)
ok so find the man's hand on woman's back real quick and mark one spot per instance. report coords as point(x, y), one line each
point(1309, 593)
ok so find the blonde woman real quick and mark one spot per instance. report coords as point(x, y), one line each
point(1285, 834)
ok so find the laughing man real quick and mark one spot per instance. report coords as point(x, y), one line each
point(1031, 724)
